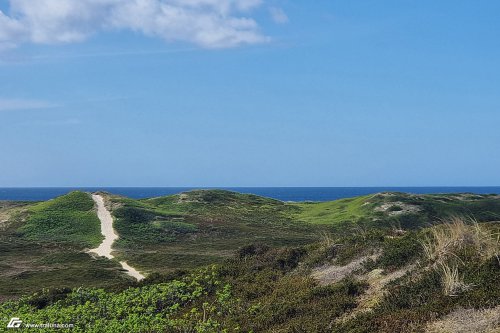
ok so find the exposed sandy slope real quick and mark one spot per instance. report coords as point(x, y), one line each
point(110, 236)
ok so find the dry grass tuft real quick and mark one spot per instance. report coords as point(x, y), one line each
point(452, 281)
point(326, 240)
point(447, 244)
point(452, 238)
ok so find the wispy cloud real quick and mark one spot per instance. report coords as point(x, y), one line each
point(207, 23)
point(24, 104)
point(278, 15)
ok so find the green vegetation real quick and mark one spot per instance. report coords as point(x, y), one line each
point(68, 219)
point(220, 261)
point(26, 267)
point(399, 210)
point(334, 212)
point(399, 251)
point(41, 246)
point(201, 227)
point(265, 289)
point(154, 308)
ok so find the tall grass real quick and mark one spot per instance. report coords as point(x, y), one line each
point(457, 235)
point(451, 279)
point(459, 239)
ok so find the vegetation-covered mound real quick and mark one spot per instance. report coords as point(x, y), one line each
point(67, 219)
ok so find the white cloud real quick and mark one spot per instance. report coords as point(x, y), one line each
point(278, 15)
point(10, 31)
point(208, 23)
point(24, 104)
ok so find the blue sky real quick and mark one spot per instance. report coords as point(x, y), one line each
point(249, 93)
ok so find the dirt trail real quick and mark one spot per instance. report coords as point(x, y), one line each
point(110, 236)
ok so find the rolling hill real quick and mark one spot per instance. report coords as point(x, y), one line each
point(220, 260)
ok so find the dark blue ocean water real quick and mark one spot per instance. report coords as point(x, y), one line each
point(281, 193)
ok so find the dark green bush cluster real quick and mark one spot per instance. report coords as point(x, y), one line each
point(197, 303)
point(400, 251)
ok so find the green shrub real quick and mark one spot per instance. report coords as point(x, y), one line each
point(400, 251)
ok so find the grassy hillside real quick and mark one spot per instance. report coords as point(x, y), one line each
point(202, 227)
point(400, 209)
point(335, 212)
point(391, 283)
point(41, 246)
point(67, 219)
point(206, 226)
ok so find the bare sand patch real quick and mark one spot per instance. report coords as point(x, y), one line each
point(329, 274)
point(397, 208)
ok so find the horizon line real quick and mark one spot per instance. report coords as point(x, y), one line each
point(216, 187)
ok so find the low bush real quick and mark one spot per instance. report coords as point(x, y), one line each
point(400, 251)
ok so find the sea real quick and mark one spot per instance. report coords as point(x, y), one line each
point(280, 193)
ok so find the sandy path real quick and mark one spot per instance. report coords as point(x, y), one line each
point(131, 271)
point(109, 236)
point(107, 230)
